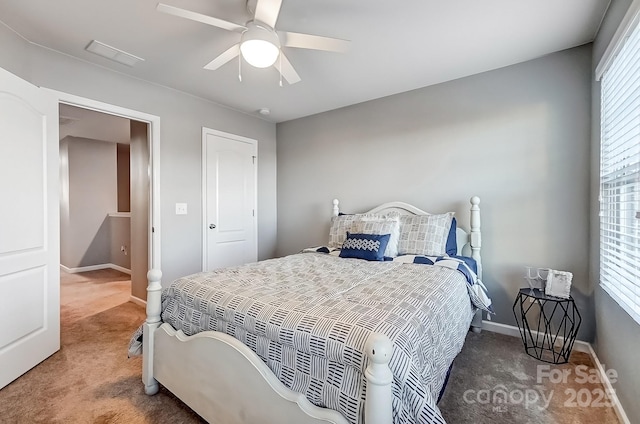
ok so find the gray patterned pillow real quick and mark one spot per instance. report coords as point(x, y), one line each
point(379, 226)
point(338, 232)
point(424, 234)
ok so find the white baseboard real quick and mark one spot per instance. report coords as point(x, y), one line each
point(622, 416)
point(120, 268)
point(95, 268)
point(510, 330)
point(137, 301)
point(496, 327)
point(580, 346)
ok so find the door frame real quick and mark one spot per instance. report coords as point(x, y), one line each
point(205, 224)
point(154, 162)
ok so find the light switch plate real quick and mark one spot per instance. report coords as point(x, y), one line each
point(181, 208)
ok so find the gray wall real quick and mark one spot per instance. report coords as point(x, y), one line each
point(518, 137)
point(182, 118)
point(120, 235)
point(13, 56)
point(140, 187)
point(123, 162)
point(617, 341)
point(89, 194)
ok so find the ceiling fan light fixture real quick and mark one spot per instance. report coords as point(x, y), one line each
point(259, 53)
point(259, 46)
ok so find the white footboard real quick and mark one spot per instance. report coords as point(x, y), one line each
point(225, 382)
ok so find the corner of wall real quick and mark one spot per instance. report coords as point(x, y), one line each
point(14, 52)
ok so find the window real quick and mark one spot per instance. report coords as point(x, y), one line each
point(620, 176)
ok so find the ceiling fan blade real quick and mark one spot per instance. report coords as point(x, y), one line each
point(198, 17)
point(267, 11)
point(286, 69)
point(225, 57)
point(316, 42)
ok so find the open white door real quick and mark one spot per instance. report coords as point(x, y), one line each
point(229, 184)
point(29, 227)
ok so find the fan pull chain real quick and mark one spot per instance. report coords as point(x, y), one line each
point(280, 59)
point(240, 67)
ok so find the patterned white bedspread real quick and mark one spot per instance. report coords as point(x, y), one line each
point(308, 317)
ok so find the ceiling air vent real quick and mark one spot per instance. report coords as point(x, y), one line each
point(112, 53)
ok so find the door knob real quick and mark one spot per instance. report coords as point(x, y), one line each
point(212, 226)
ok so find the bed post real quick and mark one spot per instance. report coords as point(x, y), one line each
point(377, 408)
point(475, 241)
point(475, 238)
point(154, 309)
point(336, 208)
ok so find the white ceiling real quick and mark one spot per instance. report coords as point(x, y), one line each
point(395, 46)
point(85, 123)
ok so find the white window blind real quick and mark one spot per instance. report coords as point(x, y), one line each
point(620, 177)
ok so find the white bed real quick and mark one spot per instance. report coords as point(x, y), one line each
point(238, 387)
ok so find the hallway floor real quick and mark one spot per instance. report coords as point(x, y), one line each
point(88, 293)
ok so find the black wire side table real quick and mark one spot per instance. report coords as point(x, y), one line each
point(548, 325)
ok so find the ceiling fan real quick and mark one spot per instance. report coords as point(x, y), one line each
point(260, 44)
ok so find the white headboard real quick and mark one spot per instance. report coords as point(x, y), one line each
point(469, 242)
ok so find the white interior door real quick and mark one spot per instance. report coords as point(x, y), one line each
point(229, 184)
point(29, 227)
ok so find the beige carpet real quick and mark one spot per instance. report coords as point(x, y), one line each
point(87, 293)
point(90, 380)
point(495, 381)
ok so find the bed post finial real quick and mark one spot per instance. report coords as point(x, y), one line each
point(336, 208)
point(475, 238)
point(377, 408)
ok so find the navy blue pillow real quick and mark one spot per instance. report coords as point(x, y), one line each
point(452, 243)
point(365, 246)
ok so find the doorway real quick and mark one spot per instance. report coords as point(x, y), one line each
point(104, 207)
point(145, 186)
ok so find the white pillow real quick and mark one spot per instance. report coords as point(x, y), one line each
point(380, 225)
point(424, 234)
